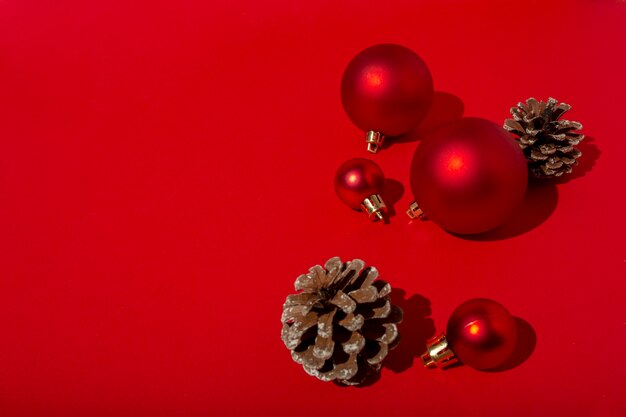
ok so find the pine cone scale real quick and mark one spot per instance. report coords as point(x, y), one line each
point(364, 295)
point(323, 348)
point(307, 359)
point(514, 126)
point(379, 356)
point(290, 314)
point(344, 302)
point(528, 140)
point(560, 110)
point(537, 155)
point(391, 334)
point(325, 324)
point(547, 149)
point(304, 298)
point(355, 344)
point(383, 287)
point(308, 283)
point(352, 322)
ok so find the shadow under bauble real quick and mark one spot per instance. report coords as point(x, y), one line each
point(524, 346)
point(539, 203)
point(391, 193)
point(444, 108)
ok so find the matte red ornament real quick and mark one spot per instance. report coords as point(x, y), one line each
point(481, 333)
point(386, 90)
point(358, 183)
point(468, 176)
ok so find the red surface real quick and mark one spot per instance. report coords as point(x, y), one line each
point(166, 173)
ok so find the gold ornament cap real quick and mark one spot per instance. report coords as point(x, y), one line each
point(414, 211)
point(374, 207)
point(374, 141)
point(438, 353)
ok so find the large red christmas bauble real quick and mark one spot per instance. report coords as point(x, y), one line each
point(468, 176)
point(358, 179)
point(386, 88)
point(482, 333)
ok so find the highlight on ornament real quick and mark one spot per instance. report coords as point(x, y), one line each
point(467, 176)
point(548, 142)
point(386, 91)
point(481, 334)
point(341, 324)
point(358, 184)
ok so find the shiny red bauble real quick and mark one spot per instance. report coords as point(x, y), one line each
point(468, 175)
point(386, 88)
point(482, 333)
point(358, 179)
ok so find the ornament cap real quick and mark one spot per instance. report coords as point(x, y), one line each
point(374, 207)
point(414, 211)
point(438, 353)
point(374, 141)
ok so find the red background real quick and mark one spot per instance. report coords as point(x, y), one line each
point(166, 173)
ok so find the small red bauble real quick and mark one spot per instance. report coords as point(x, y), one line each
point(386, 90)
point(468, 176)
point(358, 183)
point(481, 333)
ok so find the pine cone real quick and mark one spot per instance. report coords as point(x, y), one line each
point(341, 324)
point(548, 143)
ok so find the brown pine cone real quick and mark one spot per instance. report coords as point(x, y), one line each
point(341, 324)
point(548, 143)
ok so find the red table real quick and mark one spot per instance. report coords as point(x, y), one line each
point(166, 173)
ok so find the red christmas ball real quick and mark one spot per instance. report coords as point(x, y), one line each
point(482, 333)
point(358, 179)
point(468, 176)
point(386, 88)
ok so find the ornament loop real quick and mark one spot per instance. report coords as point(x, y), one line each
point(414, 211)
point(374, 207)
point(374, 141)
point(438, 353)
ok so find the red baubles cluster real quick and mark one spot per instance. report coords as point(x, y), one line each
point(468, 176)
point(481, 333)
point(386, 90)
